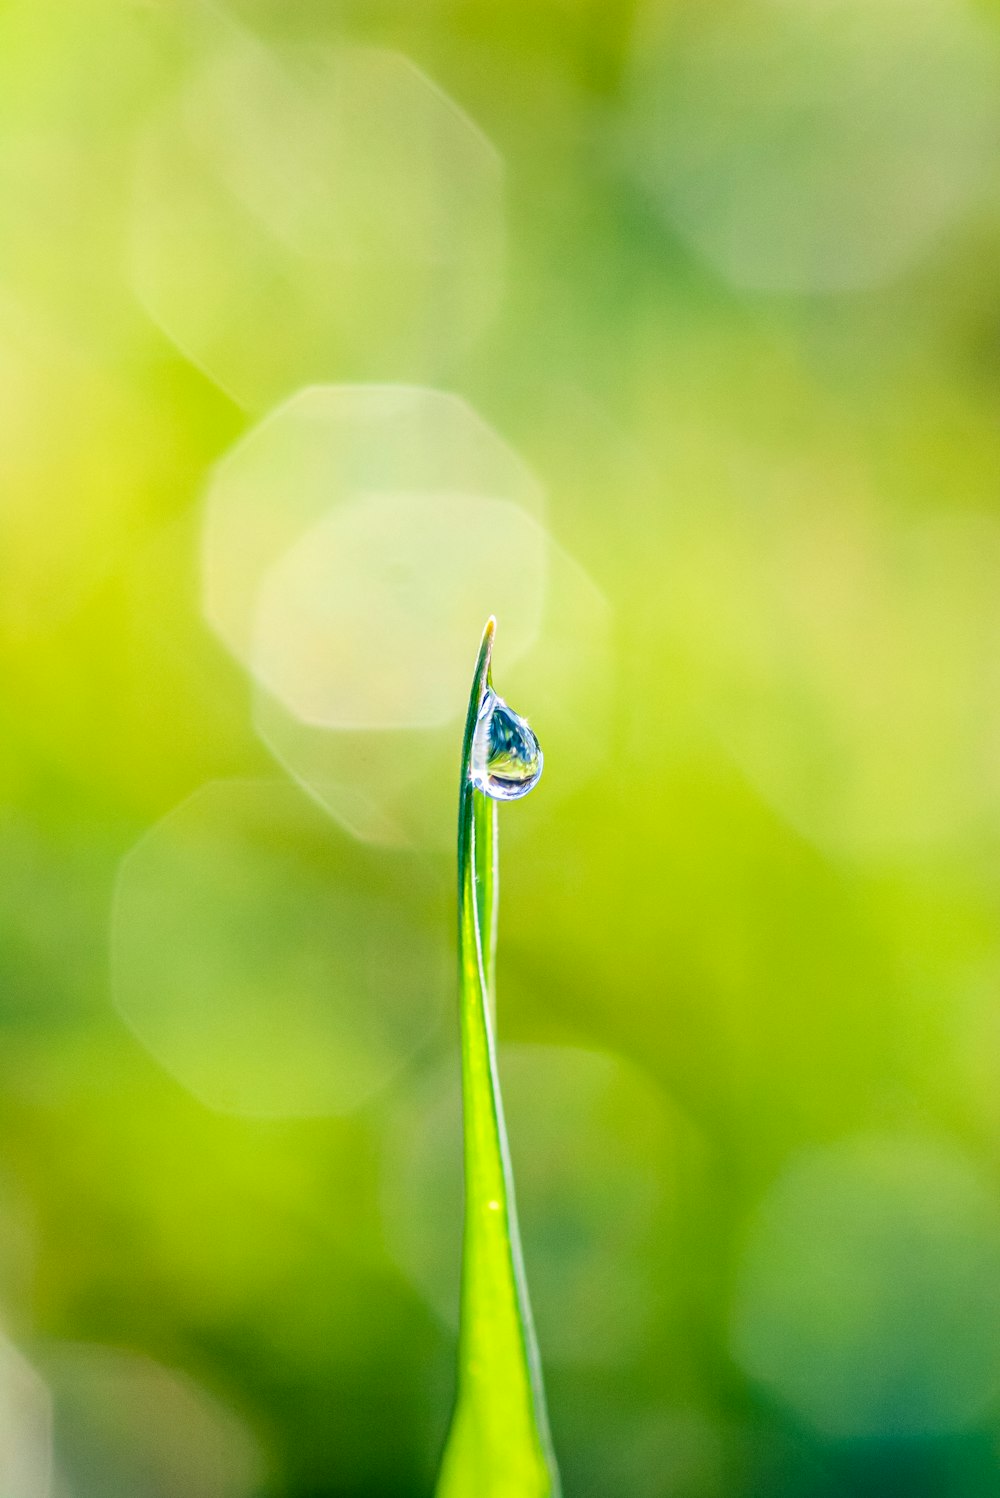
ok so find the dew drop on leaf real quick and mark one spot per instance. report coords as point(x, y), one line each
point(506, 757)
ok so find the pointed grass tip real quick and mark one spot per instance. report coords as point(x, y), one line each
point(486, 646)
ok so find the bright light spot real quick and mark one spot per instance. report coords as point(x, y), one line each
point(338, 470)
point(399, 788)
point(126, 1425)
point(353, 545)
point(868, 1297)
point(813, 147)
point(594, 1154)
point(302, 210)
point(272, 968)
point(366, 620)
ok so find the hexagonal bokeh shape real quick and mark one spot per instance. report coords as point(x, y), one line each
point(366, 620)
point(127, 1425)
point(353, 545)
point(348, 543)
point(271, 969)
point(306, 210)
point(867, 1296)
point(25, 1427)
point(398, 788)
point(813, 147)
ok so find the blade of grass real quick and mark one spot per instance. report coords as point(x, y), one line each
point(498, 1446)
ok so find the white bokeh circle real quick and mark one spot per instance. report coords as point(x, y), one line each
point(300, 210)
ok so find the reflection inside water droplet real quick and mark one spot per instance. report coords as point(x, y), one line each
point(506, 757)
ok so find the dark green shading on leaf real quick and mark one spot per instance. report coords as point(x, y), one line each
point(498, 1446)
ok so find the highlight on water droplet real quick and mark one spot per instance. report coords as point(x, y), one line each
point(506, 755)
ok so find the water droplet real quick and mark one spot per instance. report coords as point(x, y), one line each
point(506, 757)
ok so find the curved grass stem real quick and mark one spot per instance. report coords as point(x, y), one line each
point(499, 1445)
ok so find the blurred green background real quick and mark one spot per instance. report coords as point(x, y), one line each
point(670, 333)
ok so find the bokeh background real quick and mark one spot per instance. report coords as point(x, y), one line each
point(668, 331)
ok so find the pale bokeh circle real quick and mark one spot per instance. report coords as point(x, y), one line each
point(813, 147)
point(273, 968)
point(125, 1424)
point(398, 787)
point(369, 618)
point(354, 543)
point(301, 210)
point(868, 1292)
point(25, 1427)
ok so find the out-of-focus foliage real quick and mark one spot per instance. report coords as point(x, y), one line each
point(688, 311)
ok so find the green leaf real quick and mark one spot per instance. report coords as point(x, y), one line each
point(499, 1443)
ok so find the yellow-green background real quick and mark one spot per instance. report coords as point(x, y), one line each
point(770, 903)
